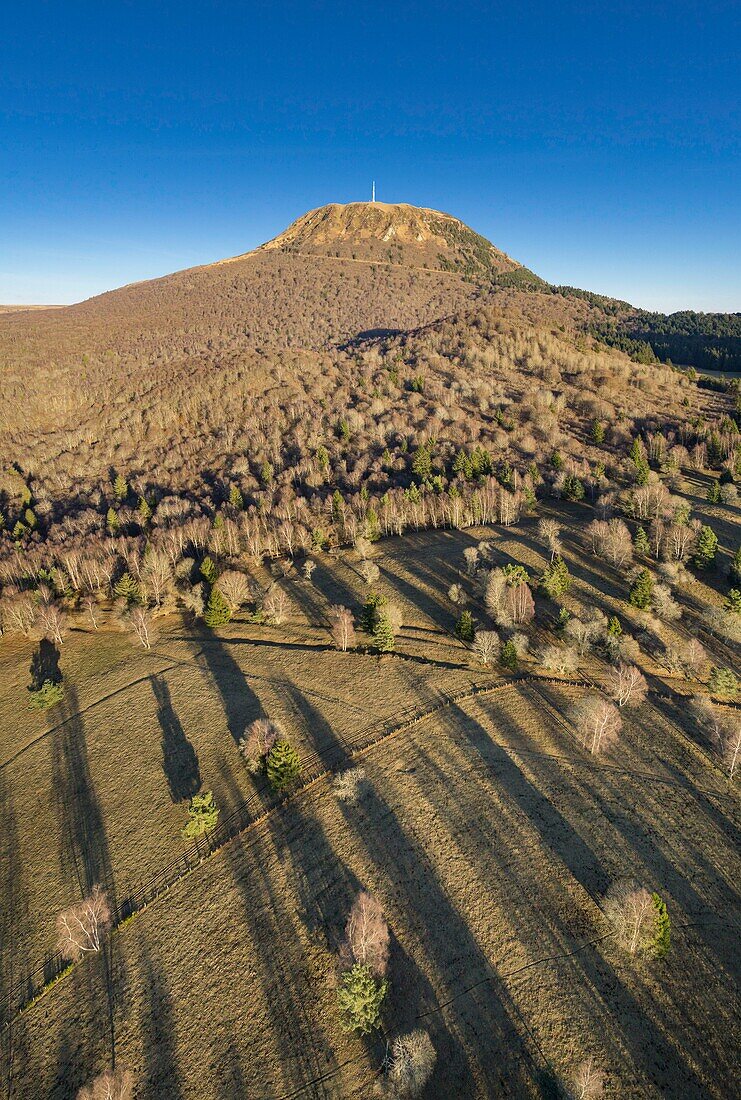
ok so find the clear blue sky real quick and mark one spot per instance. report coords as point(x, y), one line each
point(597, 142)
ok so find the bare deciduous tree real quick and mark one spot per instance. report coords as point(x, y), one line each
point(589, 1081)
point(51, 622)
point(582, 634)
point(598, 722)
point(157, 580)
point(630, 909)
point(369, 571)
point(235, 588)
point(115, 1084)
point(456, 595)
point(559, 658)
point(549, 532)
point(82, 927)
point(486, 646)
point(694, 659)
point(258, 740)
point(343, 628)
point(367, 934)
point(90, 605)
point(363, 547)
point(411, 1064)
point(347, 785)
point(471, 556)
point(140, 623)
point(520, 603)
point(276, 605)
point(626, 685)
point(611, 540)
point(722, 727)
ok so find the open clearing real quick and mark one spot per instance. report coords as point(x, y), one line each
point(486, 833)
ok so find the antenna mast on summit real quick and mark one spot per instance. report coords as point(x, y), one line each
point(373, 191)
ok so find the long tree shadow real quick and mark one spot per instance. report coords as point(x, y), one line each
point(330, 746)
point(84, 846)
point(45, 665)
point(179, 758)
point(282, 972)
point(241, 705)
point(650, 1043)
point(420, 902)
point(13, 930)
point(161, 1077)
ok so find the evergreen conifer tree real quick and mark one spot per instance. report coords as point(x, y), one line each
point(360, 997)
point(508, 656)
point(641, 543)
point(203, 814)
point(464, 627)
point(383, 634)
point(218, 612)
point(662, 927)
point(283, 765)
point(556, 579)
point(642, 590)
point(707, 547)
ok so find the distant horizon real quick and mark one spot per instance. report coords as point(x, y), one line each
point(602, 153)
point(346, 202)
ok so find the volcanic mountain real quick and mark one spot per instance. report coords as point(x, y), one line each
point(336, 272)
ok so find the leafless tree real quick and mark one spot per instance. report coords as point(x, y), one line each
point(343, 628)
point(694, 659)
point(723, 728)
point(258, 740)
point(363, 547)
point(471, 556)
point(19, 614)
point(276, 605)
point(611, 540)
point(309, 567)
point(626, 685)
point(156, 577)
point(82, 927)
point(666, 607)
point(51, 622)
point(582, 634)
point(549, 532)
point(456, 595)
point(411, 1064)
point(559, 658)
point(140, 623)
point(520, 603)
point(486, 646)
point(90, 605)
point(598, 722)
point(629, 908)
point(348, 784)
point(369, 571)
point(367, 934)
point(115, 1084)
point(235, 588)
point(589, 1081)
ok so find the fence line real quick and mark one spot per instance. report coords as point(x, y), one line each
point(252, 812)
point(255, 809)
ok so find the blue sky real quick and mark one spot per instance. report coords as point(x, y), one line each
point(598, 143)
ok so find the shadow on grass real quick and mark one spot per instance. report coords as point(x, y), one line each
point(179, 758)
point(161, 1077)
point(45, 665)
point(84, 846)
point(241, 705)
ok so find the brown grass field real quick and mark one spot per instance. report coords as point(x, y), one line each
point(486, 832)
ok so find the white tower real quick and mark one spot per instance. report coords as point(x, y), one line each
point(373, 191)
